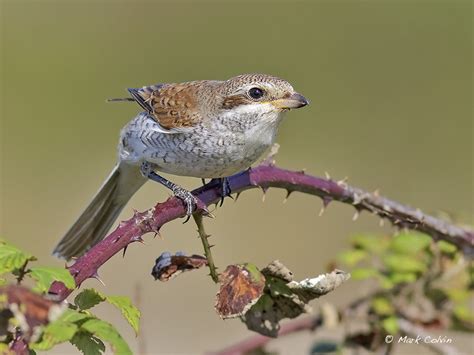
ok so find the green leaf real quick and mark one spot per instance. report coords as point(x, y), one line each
point(87, 343)
point(55, 333)
point(390, 325)
point(2, 281)
point(88, 298)
point(372, 243)
point(128, 310)
point(352, 257)
point(45, 276)
point(458, 295)
point(72, 316)
point(410, 243)
point(382, 306)
point(404, 263)
point(364, 273)
point(4, 348)
point(463, 312)
point(446, 247)
point(385, 282)
point(106, 331)
point(12, 258)
point(403, 277)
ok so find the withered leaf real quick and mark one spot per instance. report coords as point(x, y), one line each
point(240, 287)
point(168, 266)
point(284, 298)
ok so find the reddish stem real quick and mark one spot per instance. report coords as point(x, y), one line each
point(263, 176)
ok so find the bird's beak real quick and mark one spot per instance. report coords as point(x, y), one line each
point(295, 100)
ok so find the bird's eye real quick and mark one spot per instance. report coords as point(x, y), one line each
point(256, 93)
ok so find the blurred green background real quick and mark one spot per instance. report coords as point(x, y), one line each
point(390, 84)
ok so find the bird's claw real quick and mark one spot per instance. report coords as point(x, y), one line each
point(190, 202)
point(226, 190)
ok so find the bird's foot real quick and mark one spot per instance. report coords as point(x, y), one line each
point(226, 191)
point(189, 201)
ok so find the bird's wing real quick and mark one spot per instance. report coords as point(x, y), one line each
point(173, 106)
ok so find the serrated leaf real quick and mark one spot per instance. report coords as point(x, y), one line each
point(55, 333)
point(128, 310)
point(410, 243)
point(72, 316)
point(88, 298)
point(87, 343)
point(12, 258)
point(372, 243)
point(404, 263)
point(45, 276)
point(352, 257)
point(364, 273)
point(382, 306)
point(390, 325)
point(107, 332)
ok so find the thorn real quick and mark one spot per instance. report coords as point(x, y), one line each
point(328, 177)
point(381, 222)
point(288, 193)
point(237, 195)
point(209, 215)
point(343, 181)
point(356, 215)
point(326, 200)
point(211, 246)
point(377, 193)
point(124, 251)
point(302, 171)
point(96, 276)
point(321, 212)
point(203, 181)
point(157, 233)
point(264, 190)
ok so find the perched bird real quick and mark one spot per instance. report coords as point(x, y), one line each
point(204, 129)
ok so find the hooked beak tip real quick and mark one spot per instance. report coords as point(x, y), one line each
point(300, 100)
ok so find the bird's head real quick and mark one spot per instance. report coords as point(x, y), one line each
point(259, 94)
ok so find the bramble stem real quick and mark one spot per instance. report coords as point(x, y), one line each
point(207, 248)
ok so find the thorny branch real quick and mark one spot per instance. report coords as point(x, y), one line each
point(264, 177)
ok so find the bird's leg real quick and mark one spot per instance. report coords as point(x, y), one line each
point(184, 195)
point(225, 188)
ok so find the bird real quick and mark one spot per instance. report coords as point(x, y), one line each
point(203, 129)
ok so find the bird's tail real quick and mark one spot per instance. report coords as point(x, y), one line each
point(103, 210)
